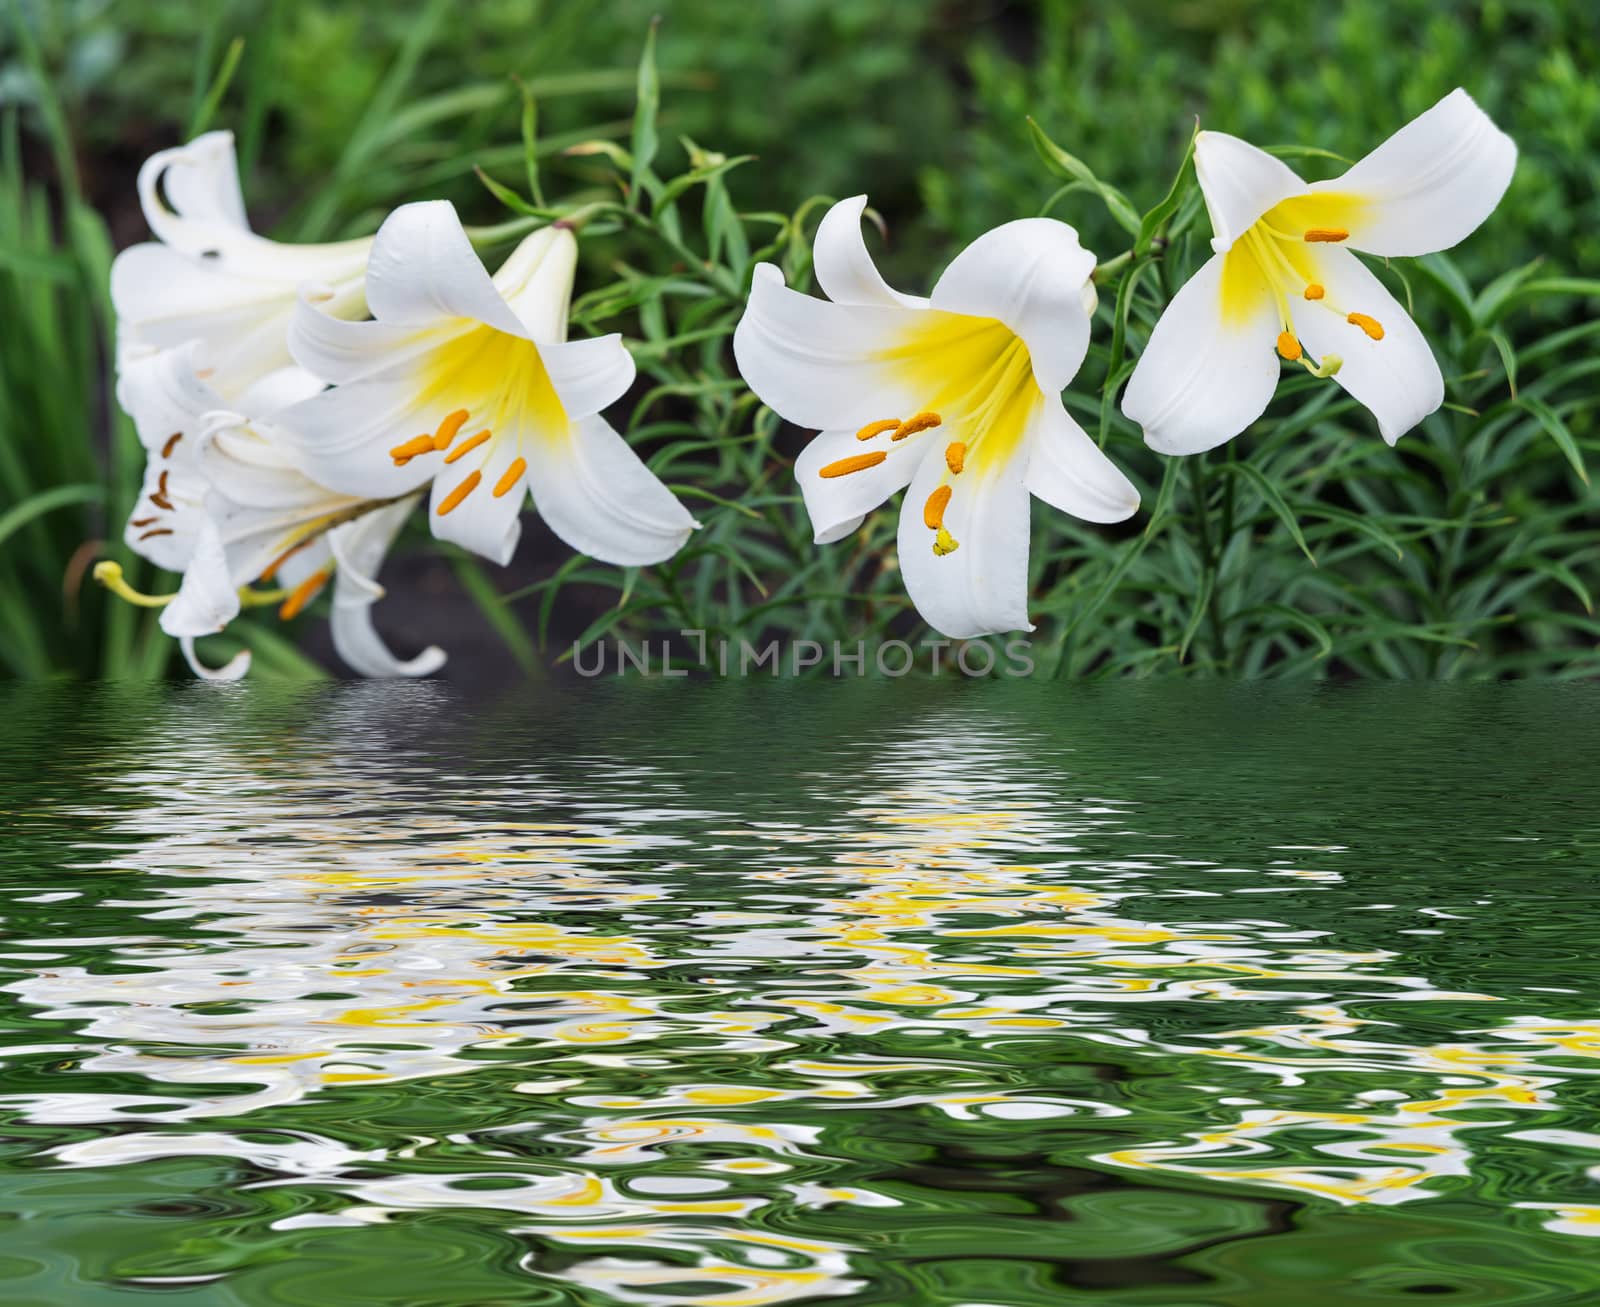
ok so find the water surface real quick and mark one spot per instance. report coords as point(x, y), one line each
point(681, 993)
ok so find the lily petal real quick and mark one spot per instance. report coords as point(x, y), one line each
point(597, 495)
point(588, 375)
point(201, 181)
point(1069, 471)
point(1206, 374)
point(340, 351)
point(423, 269)
point(1396, 377)
point(163, 394)
point(844, 269)
point(233, 670)
point(1239, 183)
point(1029, 274)
point(982, 587)
point(1431, 184)
point(819, 364)
point(341, 436)
point(536, 281)
point(207, 600)
point(838, 504)
point(190, 197)
point(359, 548)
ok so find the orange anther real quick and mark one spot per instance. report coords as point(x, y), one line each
point(855, 463)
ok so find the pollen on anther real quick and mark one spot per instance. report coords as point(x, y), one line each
point(303, 594)
point(1288, 346)
point(1327, 234)
point(933, 510)
point(877, 428)
point(404, 453)
point(944, 543)
point(159, 531)
point(172, 443)
point(955, 455)
point(1371, 326)
point(1314, 291)
point(855, 463)
point(917, 422)
point(448, 428)
point(466, 447)
point(510, 477)
point(452, 501)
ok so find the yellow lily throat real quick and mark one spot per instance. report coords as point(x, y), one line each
point(1273, 251)
point(507, 372)
point(979, 378)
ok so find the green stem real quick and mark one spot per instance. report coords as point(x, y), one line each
point(1111, 267)
point(1201, 491)
point(485, 237)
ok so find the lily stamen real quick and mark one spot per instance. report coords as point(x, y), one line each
point(469, 483)
point(303, 594)
point(944, 543)
point(510, 477)
point(448, 428)
point(462, 450)
point(855, 463)
point(1370, 325)
point(271, 569)
point(158, 531)
point(404, 453)
point(955, 455)
point(172, 442)
point(1315, 291)
point(1288, 346)
point(919, 422)
point(933, 510)
point(1329, 235)
point(877, 428)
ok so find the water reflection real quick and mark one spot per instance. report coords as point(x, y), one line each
point(689, 1025)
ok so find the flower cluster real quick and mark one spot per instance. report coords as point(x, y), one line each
point(298, 402)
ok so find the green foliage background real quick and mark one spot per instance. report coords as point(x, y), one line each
point(1305, 546)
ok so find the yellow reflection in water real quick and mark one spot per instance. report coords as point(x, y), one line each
point(398, 939)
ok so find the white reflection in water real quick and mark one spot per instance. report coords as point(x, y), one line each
point(361, 919)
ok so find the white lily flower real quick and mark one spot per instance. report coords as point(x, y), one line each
point(956, 395)
point(469, 382)
point(208, 277)
point(236, 509)
point(1283, 282)
point(166, 398)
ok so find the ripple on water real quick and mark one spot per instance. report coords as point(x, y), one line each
point(369, 994)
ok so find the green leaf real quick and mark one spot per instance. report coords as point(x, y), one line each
point(1508, 357)
point(648, 104)
point(530, 141)
point(496, 611)
point(1274, 501)
point(507, 196)
point(207, 108)
point(18, 516)
point(678, 185)
point(1073, 168)
point(1154, 221)
point(1558, 431)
